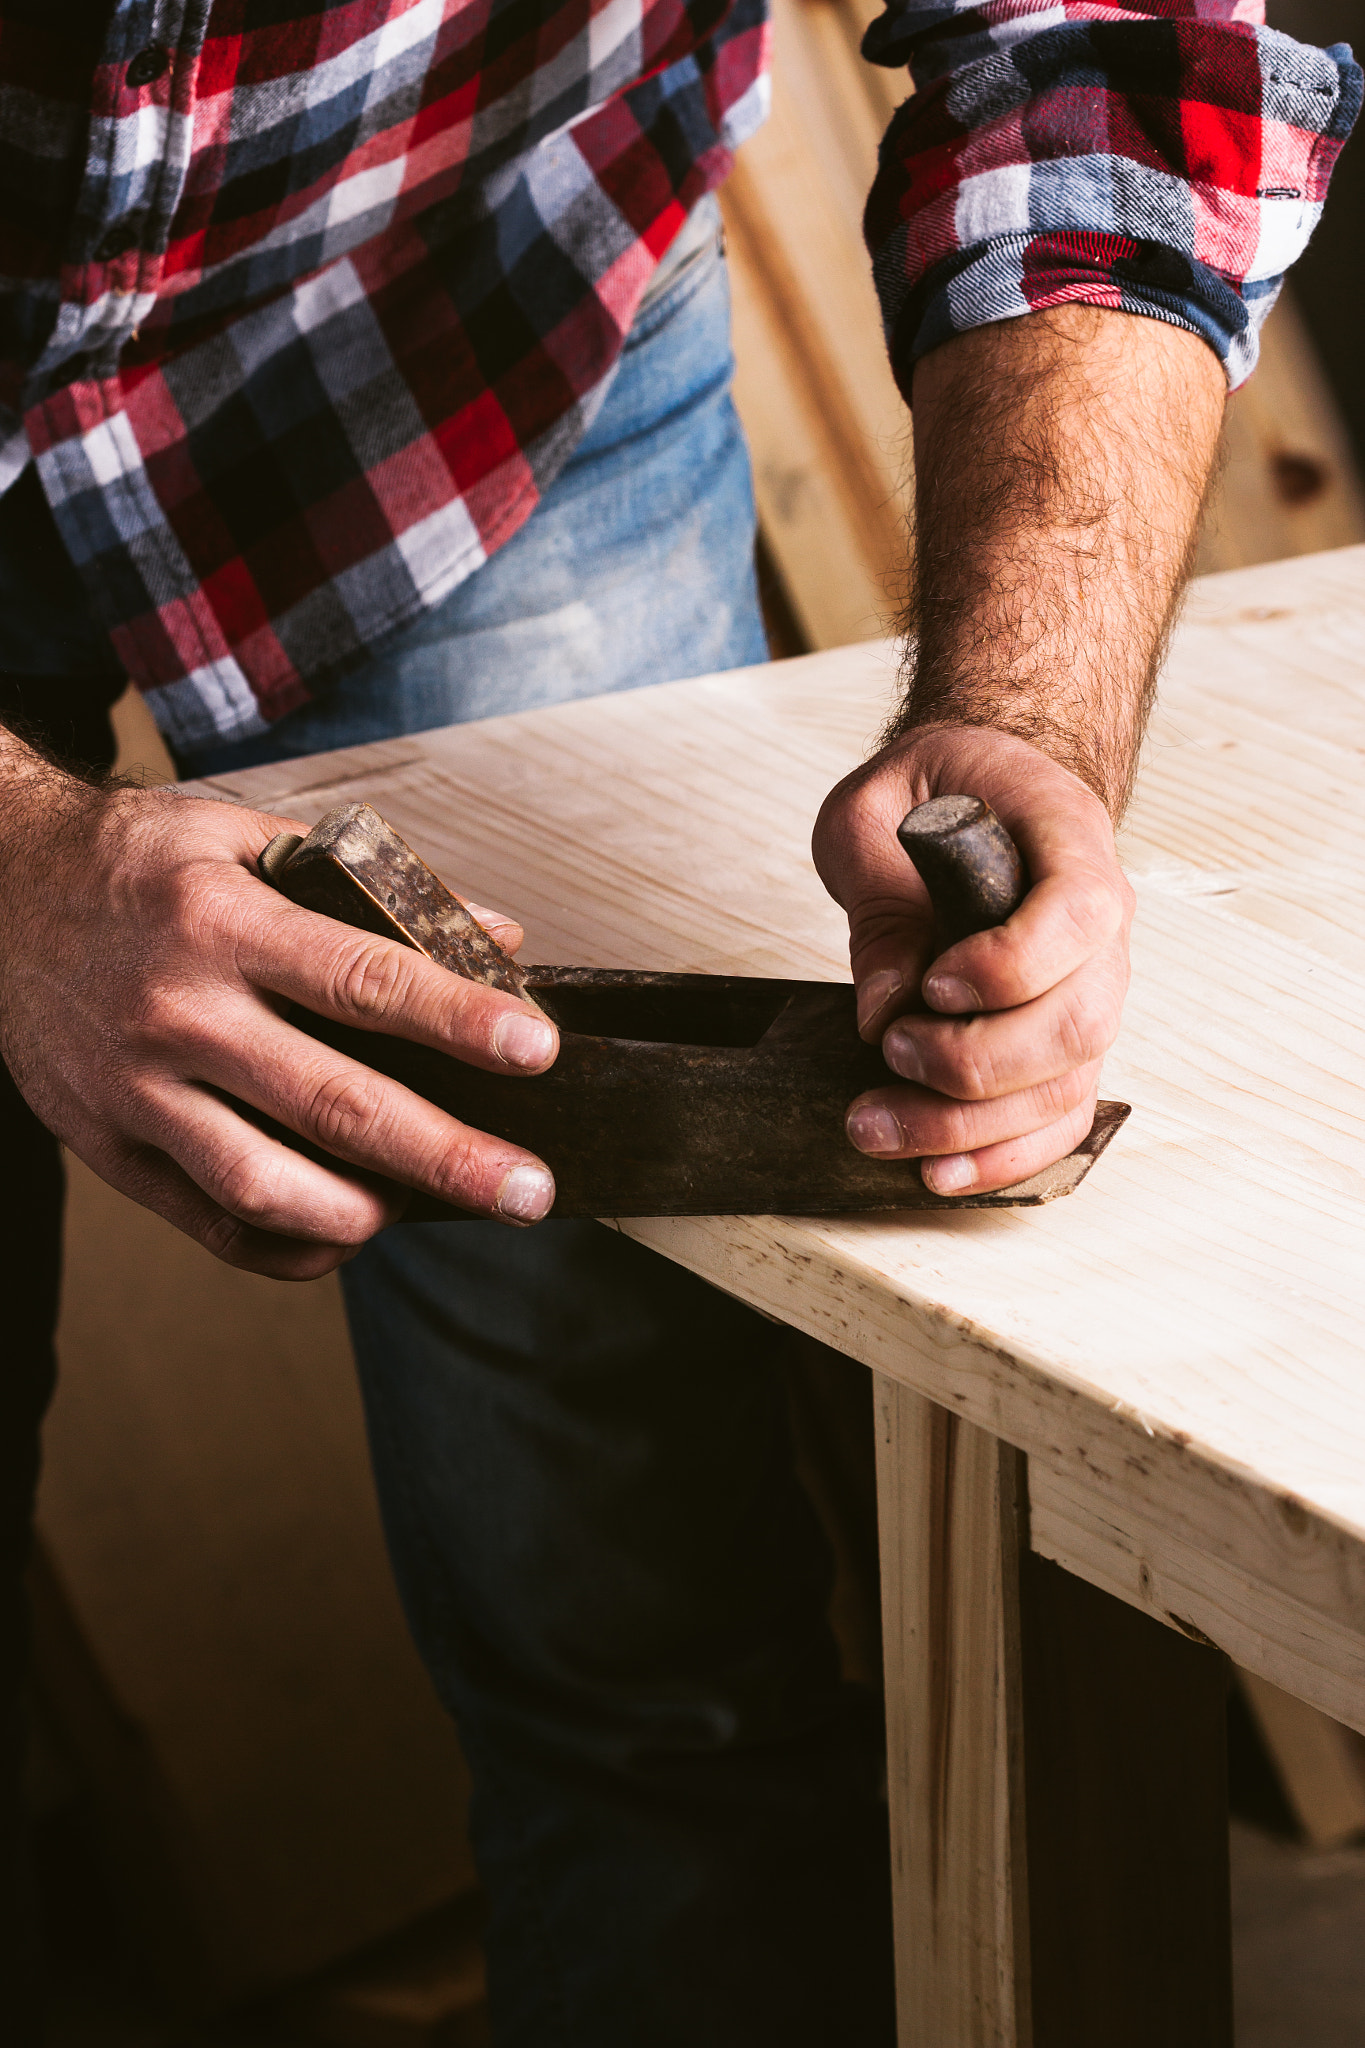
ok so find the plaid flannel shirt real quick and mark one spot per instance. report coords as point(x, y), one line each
point(1168, 159)
point(303, 303)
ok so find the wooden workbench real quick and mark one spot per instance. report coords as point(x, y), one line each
point(1158, 1384)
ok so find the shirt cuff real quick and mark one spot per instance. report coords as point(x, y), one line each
point(1170, 166)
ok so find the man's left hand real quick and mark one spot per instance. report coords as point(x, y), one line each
point(999, 1039)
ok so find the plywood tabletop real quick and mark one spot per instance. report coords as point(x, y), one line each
point(1180, 1347)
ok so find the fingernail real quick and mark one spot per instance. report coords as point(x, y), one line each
point(873, 1129)
point(526, 1195)
point(948, 1176)
point(875, 992)
point(901, 1053)
point(522, 1041)
point(946, 992)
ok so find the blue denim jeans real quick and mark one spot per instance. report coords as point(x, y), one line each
point(582, 1451)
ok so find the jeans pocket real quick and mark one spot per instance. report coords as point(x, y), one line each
point(688, 264)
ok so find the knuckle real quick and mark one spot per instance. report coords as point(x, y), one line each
point(469, 1171)
point(887, 922)
point(1094, 906)
point(1027, 1155)
point(459, 1175)
point(239, 1245)
point(165, 997)
point(1076, 1042)
point(343, 1106)
point(1067, 1129)
point(372, 980)
point(970, 1073)
point(253, 1189)
point(168, 1020)
point(1059, 1098)
point(151, 1011)
point(955, 1130)
point(1127, 896)
point(223, 1236)
point(1086, 1027)
point(196, 906)
point(247, 1185)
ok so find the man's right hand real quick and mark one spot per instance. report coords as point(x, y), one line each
point(143, 970)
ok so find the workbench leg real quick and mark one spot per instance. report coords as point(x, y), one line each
point(1057, 1774)
point(948, 1511)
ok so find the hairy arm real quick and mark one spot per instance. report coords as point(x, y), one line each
point(1061, 464)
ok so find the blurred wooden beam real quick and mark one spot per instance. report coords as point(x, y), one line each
point(829, 432)
point(1290, 484)
point(1320, 1764)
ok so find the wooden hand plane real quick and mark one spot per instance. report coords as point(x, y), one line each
point(673, 1094)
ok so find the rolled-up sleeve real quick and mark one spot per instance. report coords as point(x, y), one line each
point(1171, 163)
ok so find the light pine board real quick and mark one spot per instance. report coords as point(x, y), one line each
point(948, 1502)
point(1178, 1347)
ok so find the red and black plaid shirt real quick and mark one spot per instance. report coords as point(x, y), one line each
point(304, 302)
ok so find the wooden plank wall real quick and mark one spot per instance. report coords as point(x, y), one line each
point(827, 428)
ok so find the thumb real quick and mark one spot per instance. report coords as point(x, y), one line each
point(890, 920)
point(890, 945)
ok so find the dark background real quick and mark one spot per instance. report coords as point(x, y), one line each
point(1329, 281)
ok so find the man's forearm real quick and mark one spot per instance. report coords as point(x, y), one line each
point(1061, 464)
point(35, 796)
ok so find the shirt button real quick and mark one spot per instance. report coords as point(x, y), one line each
point(148, 64)
point(118, 239)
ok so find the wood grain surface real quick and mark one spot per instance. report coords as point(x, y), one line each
point(1178, 1348)
point(949, 1510)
